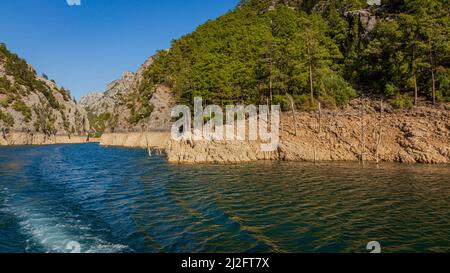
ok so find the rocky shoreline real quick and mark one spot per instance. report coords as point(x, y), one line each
point(416, 136)
point(20, 138)
point(412, 136)
point(421, 135)
point(154, 140)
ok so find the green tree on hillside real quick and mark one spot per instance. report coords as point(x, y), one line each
point(433, 24)
point(314, 53)
point(265, 50)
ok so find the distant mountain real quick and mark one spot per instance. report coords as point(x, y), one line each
point(93, 102)
point(30, 103)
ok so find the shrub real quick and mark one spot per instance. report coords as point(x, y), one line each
point(5, 85)
point(402, 101)
point(98, 123)
point(283, 101)
point(20, 106)
point(443, 90)
point(7, 119)
point(391, 90)
point(333, 89)
point(144, 112)
point(442, 97)
point(7, 101)
point(45, 120)
point(303, 102)
point(65, 93)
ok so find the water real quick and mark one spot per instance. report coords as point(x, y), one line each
point(119, 200)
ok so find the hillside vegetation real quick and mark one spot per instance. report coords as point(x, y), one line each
point(30, 103)
point(311, 51)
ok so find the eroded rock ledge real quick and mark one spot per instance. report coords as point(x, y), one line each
point(20, 138)
point(419, 136)
point(154, 140)
point(414, 136)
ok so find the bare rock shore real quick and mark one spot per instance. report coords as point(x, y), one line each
point(154, 140)
point(19, 138)
point(415, 136)
point(421, 135)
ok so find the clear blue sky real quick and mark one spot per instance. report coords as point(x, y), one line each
point(86, 47)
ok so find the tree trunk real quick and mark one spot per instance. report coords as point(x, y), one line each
point(149, 151)
point(433, 79)
point(380, 131)
point(282, 129)
point(330, 144)
point(413, 67)
point(362, 144)
point(271, 87)
point(261, 91)
point(311, 84)
point(416, 95)
point(271, 68)
point(320, 118)
point(294, 119)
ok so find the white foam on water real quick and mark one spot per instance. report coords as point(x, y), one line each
point(56, 236)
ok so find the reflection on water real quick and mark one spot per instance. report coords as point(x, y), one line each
point(118, 200)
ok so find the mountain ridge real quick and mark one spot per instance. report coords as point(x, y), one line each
point(34, 104)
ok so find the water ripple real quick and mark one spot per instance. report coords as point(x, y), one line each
point(118, 200)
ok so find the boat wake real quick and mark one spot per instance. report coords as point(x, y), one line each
point(51, 232)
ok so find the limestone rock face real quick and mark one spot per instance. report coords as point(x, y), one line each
point(412, 136)
point(93, 102)
point(153, 140)
point(120, 102)
point(19, 138)
point(99, 103)
point(33, 104)
point(366, 20)
point(162, 101)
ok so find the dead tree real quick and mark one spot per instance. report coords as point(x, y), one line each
point(380, 131)
point(144, 128)
point(294, 119)
point(362, 144)
point(320, 118)
point(314, 150)
point(281, 128)
point(330, 144)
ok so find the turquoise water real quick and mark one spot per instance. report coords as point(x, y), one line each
point(119, 200)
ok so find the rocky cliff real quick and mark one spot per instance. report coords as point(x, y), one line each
point(34, 105)
point(123, 108)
